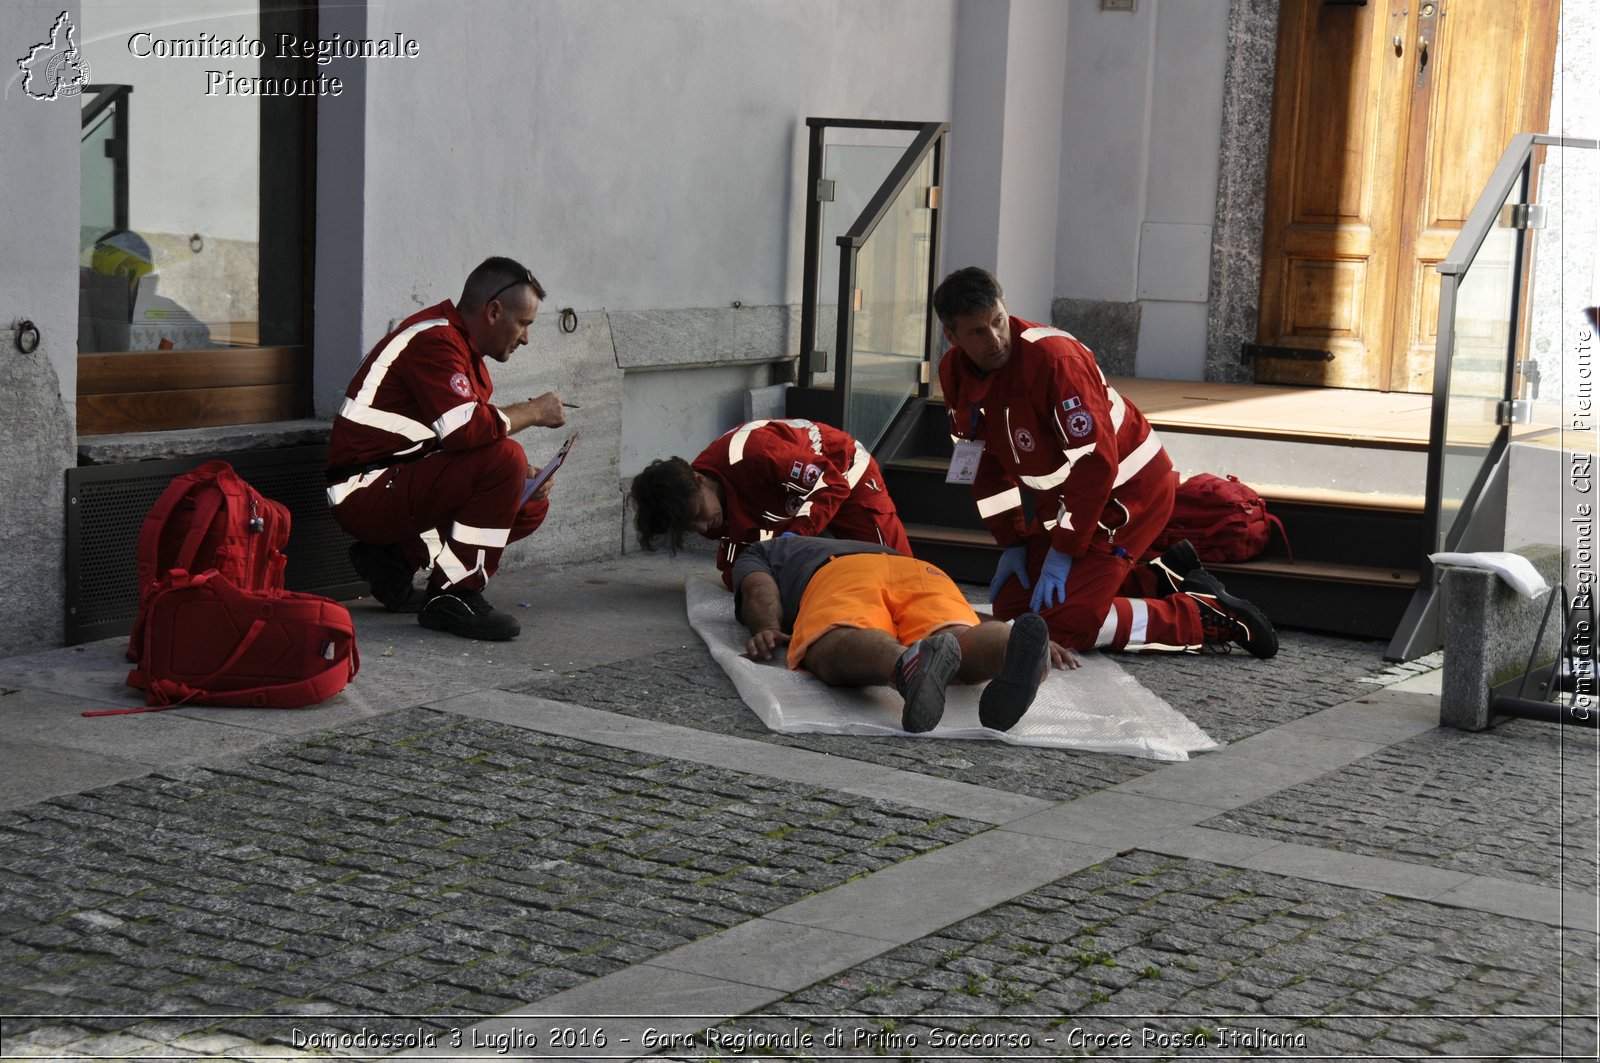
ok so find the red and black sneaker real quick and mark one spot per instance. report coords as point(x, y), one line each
point(1227, 618)
point(1175, 565)
point(920, 675)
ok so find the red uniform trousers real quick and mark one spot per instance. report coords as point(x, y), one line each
point(457, 509)
point(1106, 605)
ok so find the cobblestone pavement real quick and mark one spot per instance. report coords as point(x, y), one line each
point(1230, 696)
point(1516, 803)
point(1234, 963)
point(414, 864)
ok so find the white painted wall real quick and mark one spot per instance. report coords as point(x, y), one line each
point(1005, 147)
point(637, 156)
point(1030, 183)
point(39, 283)
point(1138, 179)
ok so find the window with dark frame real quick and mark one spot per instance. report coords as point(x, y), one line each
point(196, 236)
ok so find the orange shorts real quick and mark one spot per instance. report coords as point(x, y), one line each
point(886, 592)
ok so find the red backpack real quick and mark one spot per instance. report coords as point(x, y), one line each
point(209, 518)
point(207, 642)
point(215, 625)
point(1224, 519)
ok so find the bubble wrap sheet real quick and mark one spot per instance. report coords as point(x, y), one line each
point(1098, 707)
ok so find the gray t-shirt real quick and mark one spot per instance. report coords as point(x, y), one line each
point(792, 560)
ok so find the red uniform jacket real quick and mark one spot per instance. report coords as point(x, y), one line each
point(422, 388)
point(1050, 423)
point(782, 476)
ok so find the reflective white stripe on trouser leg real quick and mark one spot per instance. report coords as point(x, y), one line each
point(1137, 613)
point(454, 568)
point(434, 544)
point(466, 533)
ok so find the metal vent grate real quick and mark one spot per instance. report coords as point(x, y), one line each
point(106, 505)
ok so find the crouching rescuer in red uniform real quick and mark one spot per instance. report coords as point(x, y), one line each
point(422, 468)
point(763, 479)
point(1031, 410)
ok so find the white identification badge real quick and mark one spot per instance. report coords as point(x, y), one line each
point(964, 463)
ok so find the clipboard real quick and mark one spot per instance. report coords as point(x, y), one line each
point(549, 470)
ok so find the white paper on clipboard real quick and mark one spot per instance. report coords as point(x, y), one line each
point(549, 470)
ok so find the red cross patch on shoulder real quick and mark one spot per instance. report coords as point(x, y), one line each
point(461, 385)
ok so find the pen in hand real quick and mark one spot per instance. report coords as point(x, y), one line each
point(572, 405)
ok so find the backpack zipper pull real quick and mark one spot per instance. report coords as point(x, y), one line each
point(255, 523)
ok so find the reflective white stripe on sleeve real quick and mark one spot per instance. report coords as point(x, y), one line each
point(345, 488)
point(858, 467)
point(359, 408)
point(1039, 332)
point(504, 419)
point(454, 418)
point(466, 533)
point(1063, 519)
point(1059, 477)
point(386, 421)
point(740, 435)
point(1129, 466)
point(1119, 408)
point(1000, 503)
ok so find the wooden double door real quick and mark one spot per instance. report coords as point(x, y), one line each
point(1388, 118)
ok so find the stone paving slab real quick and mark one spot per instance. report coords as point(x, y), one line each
point(1518, 802)
point(1230, 696)
point(744, 754)
point(1149, 956)
point(421, 863)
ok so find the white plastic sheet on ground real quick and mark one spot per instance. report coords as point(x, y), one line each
point(1098, 707)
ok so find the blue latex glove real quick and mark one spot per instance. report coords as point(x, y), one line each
point(1052, 588)
point(1013, 562)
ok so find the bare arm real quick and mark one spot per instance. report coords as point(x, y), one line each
point(762, 611)
point(543, 412)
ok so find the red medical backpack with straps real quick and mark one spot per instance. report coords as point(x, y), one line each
point(215, 624)
point(1224, 519)
point(210, 518)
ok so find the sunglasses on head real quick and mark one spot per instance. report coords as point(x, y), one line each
point(526, 278)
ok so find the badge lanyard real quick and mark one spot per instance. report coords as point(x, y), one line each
point(964, 463)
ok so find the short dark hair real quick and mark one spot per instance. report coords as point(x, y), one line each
point(491, 277)
point(664, 502)
point(972, 290)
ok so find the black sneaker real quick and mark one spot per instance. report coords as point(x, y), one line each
point(388, 574)
point(1009, 694)
point(1227, 618)
point(1174, 566)
point(465, 613)
point(921, 677)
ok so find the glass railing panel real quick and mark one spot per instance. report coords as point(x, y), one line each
point(890, 327)
point(857, 171)
point(98, 187)
point(1484, 336)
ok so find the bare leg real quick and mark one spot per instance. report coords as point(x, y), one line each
point(853, 657)
point(983, 650)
